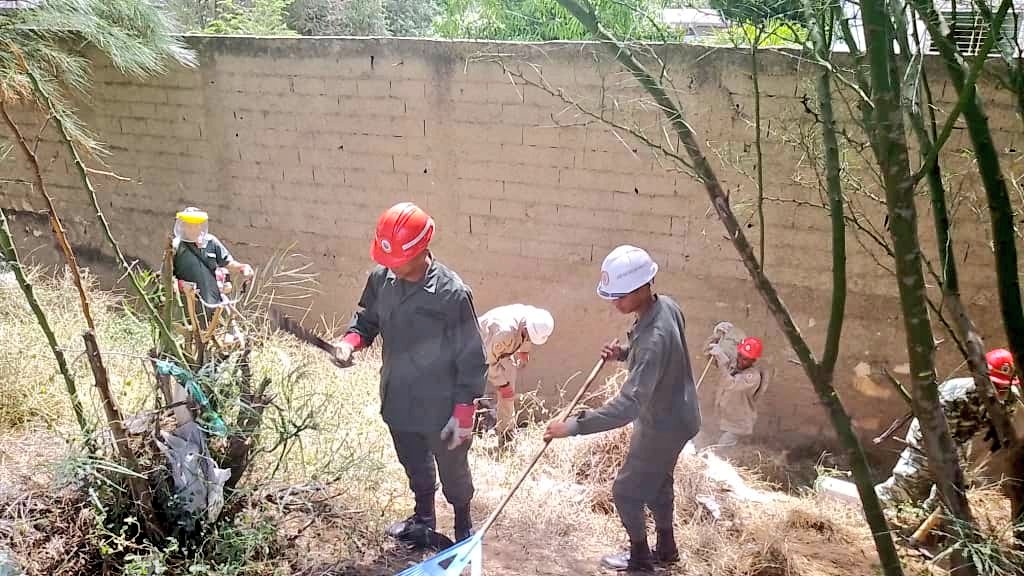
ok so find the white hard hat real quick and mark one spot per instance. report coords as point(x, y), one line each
point(539, 324)
point(624, 270)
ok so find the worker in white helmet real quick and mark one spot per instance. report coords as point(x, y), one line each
point(659, 398)
point(508, 333)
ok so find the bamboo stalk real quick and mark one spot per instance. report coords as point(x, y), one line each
point(137, 482)
point(10, 254)
point(55, 223)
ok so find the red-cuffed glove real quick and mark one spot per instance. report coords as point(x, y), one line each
point(459, 427)
point(343, 350)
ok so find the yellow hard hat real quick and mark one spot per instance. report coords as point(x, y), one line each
point(193, 215)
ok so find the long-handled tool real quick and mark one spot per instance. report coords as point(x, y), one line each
point(452, 561)
point(705, 372)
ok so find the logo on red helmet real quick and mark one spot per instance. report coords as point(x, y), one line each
point(385, 246)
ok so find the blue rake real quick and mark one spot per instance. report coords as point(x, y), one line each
point(453, 561)
point(470, 552)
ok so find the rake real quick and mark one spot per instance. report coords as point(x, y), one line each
point(453, 561)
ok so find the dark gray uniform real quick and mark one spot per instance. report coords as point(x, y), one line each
point(432, 359)
point(660, 398)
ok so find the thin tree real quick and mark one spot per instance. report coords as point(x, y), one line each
point(819, 372)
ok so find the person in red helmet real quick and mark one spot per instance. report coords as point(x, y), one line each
point(741, 385)
point(433, 365)
point(911, 482)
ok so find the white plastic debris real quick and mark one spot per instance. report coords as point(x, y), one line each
point(711, 505)
point(838, 489)
point(8, 566)
point(721, 471)
point(198, 482)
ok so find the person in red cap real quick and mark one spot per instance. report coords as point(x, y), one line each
point(433, 365)
point(740, 386)
point(966, 416)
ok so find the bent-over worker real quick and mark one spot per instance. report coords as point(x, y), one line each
point(433, 364)
point(508, 333)
point(966, 416)
point(740, 385)
point(660, 399)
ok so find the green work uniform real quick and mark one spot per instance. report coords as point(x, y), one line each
point(196, 265)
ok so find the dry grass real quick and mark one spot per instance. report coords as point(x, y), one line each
point(327, 481)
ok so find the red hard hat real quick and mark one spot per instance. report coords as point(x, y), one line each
point(1000, 367)
point(403, 231)
point(750, 348)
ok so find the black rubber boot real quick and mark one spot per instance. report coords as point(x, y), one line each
point(640, 559)
point(637, 561)
point(417, 530)
point(463, 523)
point(666, 551)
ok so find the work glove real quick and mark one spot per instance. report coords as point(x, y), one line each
point(343, 354)
point(247, 272)
point(459, 426)
point(721, 329)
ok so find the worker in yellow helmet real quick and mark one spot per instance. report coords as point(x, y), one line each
point(199, 256)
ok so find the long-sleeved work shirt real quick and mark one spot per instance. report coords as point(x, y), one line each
point(659, 393)
point(432, 354)
point(737, 396)
point(502, 334)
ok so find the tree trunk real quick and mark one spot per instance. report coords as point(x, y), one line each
point(10, 254)
point(821, 379)
point(137, 482)
point(55, 223)
point(893, 159)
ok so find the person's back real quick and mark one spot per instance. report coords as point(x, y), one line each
point(673, 404)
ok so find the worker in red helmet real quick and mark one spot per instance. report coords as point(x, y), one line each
point(966, 416)
point(740, 385)
point(433, 365)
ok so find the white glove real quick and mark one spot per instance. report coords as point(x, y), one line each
point(721, 329)
point(459, 427)
point(343, 354)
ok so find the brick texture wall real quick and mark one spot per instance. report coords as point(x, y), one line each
point(306, 141)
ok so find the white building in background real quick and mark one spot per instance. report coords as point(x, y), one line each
point(968, 26)
point(697, 22)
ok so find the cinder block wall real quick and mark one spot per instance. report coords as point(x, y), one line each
point(306, 141)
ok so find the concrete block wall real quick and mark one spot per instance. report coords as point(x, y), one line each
point(306, 141)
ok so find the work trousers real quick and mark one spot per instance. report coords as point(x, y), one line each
point(911, 480)
point(646, 480)
point(502, 379)
point(424, 456)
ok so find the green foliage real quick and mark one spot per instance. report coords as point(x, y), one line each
point(771, 33)
point(338, 17)
point(410, 18)
point(758, 11)
point(259, 18)
point(42, 55)
point(543, 20)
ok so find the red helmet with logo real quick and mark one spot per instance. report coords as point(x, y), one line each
point(750, 348)
point(403, 231)
point(1000, 368)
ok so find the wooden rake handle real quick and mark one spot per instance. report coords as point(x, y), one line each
point(529, 468)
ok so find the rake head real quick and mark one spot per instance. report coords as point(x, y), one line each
point(452, 561)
